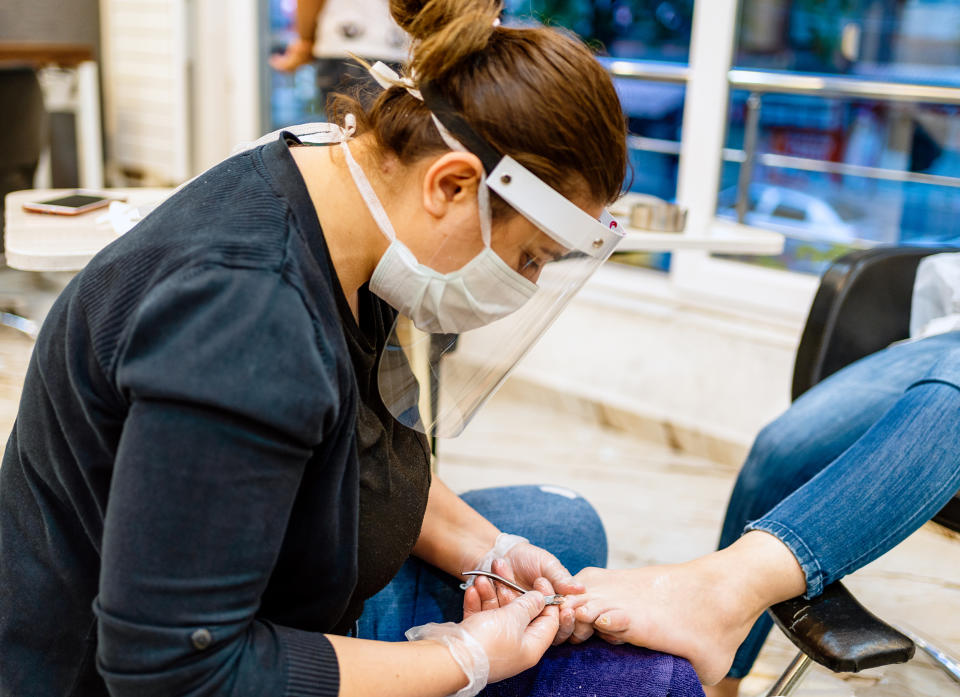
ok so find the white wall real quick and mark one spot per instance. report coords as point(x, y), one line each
point(145, 77)
point(226, 85)
point(181, 84)
point(50, 21)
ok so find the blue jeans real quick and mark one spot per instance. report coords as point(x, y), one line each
point(550, 517)
point(854, 466)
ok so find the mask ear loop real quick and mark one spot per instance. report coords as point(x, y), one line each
point(483, 193)
point(363, 184)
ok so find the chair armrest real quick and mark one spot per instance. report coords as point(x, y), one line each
point(839, 633)
point(949, 515)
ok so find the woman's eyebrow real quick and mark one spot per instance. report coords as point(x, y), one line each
point(553, 254)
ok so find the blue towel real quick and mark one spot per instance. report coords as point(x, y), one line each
point(599, 669)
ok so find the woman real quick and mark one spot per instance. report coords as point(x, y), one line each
point(853, 467)
point(206, 480)
point(329, 32)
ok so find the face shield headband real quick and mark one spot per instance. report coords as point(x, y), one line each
point(531, 197)
point(435, 383)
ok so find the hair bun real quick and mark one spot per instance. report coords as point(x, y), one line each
point(445, 32)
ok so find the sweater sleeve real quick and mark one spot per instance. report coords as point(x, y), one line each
point(228, 394)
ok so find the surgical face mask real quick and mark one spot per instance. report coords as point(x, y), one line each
point(481, 292)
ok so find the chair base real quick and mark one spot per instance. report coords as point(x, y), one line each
point(794, 674)
point(21, 324)
point(787, 683)
point(948, 664)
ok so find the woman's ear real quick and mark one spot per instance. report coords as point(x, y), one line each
point(451, 180)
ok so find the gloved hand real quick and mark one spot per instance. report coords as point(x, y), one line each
point(493, 642)
point(524, 563)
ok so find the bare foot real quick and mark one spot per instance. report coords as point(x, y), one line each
point(728, 687)
point(701, 610)
point(680, 609)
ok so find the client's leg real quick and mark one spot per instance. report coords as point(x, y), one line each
point(553, 518)
point(883, 487)
point(814, 431)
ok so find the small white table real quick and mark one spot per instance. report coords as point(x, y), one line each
point(723, 236)
point(44, 242)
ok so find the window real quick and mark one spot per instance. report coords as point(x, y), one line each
point(646, 45)
point(851, 159)
point(635, 29)
point(835, 122)
point(654, 112)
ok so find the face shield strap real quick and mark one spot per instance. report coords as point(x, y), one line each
point(556, 215)
point(444, 112)
point(449, 122)
point(387, 77)
point(548, 209)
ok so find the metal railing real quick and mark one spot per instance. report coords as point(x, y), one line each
point(651, 71)
point(763, 82)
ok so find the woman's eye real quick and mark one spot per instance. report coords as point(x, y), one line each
point(528, 263)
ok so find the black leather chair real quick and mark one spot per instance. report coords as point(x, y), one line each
point(862, 306)
point(24, 134)
point(23, 130)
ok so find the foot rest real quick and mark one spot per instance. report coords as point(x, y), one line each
point(839, 633)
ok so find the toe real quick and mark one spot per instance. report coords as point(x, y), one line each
point(581, 632)
point(613, 622)
point(610, 639)
point(589, 612)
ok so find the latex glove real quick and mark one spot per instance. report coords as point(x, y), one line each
point(299, 52)
point(528, 562)
point(493, 644)
point(524, 563)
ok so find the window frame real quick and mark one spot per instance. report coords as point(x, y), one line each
point(696, 276)
point(696, 273)
point(709, 79)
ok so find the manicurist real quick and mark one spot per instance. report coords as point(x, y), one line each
point(219, 482)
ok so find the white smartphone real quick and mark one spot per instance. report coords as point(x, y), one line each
point(74, 203)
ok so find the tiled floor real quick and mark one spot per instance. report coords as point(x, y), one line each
point(659, 506)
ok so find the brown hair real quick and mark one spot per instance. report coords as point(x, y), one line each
point(536, 94)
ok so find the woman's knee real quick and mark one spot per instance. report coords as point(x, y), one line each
point(555, 518)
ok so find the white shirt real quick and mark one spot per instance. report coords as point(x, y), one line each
point(936, 296)
point(362, 27)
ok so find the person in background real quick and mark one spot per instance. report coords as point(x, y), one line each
point(330, 31)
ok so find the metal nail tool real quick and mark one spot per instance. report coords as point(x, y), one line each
point(550, 599)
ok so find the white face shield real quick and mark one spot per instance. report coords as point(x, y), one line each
point(435, 382)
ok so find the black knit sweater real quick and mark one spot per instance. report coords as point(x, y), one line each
point(181, 499)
